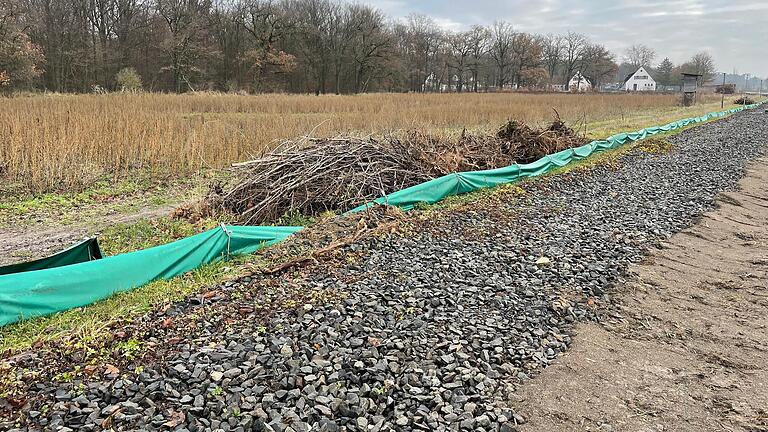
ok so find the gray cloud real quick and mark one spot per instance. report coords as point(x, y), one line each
point(734, 32)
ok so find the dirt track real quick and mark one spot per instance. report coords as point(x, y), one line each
point(25, 243)
point(690, 349)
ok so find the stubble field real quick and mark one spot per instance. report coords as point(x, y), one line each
point(66, 143)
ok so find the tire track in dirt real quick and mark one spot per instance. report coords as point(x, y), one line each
point(26, 243)
point(688, 349)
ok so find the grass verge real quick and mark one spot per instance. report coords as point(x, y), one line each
point(105, 198)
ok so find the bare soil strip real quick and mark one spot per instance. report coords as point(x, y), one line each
point(25, 243)
point(689, 347)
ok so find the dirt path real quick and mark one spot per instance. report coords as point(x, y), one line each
point(689, 349)
point(25, 243)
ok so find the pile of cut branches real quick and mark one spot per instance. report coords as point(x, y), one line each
point(744, 100)
point(312, 175)
point(535, 143)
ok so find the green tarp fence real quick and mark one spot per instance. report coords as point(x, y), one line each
point(459, 183)
point(41, 292)
point(87, 250)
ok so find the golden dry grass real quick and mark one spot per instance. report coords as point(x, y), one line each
point(65, 142)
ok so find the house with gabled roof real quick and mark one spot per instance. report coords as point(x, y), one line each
point(641, 80)
point(579, 83)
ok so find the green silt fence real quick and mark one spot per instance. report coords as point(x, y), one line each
point(44, 290)
point(87, 250)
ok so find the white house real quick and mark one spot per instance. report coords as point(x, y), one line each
point(641, 80)
point(579, 83)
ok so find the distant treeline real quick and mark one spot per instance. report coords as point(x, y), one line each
point(320, 46)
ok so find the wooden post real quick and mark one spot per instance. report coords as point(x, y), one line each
point(722, 93)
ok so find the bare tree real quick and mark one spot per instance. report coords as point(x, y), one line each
point(61, 29)
point(187, 21)
point(370, 42)
point(266, 24)
point(552, 54)
point(502, 40)
point(340, 39)
point(314, 21)
point(526, 54)
point(131, 22)
point(639, 55)
point(701, 63)
point(102, 15)
point(574, 46)
point(599, 64)
point(478, 38)
point(419, 41)
point(460, 52)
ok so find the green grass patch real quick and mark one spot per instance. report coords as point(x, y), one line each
point(104, 198)
point(101, 191)
point(146, 233)
point(633, 121)
point(655, 145)
point(456, 201)
point(44, 201)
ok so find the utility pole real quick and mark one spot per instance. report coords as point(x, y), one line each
point(722, 93)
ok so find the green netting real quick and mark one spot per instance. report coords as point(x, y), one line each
point(85, 251)
point(42, 292)
point(459, 183)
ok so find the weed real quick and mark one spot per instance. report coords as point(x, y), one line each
point(129, 237)
point(101, 200)
point(295, 218)
point(129, 349)
point(64, 377)
point(655, 146)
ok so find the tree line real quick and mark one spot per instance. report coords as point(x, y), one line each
point(320, 46)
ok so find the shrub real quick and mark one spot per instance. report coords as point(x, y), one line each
point(128, 80)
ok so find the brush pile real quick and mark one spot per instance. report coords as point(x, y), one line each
point(744, 100)
point(535, 144)
point(312, 175)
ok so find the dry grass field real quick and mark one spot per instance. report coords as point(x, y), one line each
point(66, 142)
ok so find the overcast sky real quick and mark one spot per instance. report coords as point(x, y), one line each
point(735, 32)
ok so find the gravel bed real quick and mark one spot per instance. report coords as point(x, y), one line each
point(434, 328)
